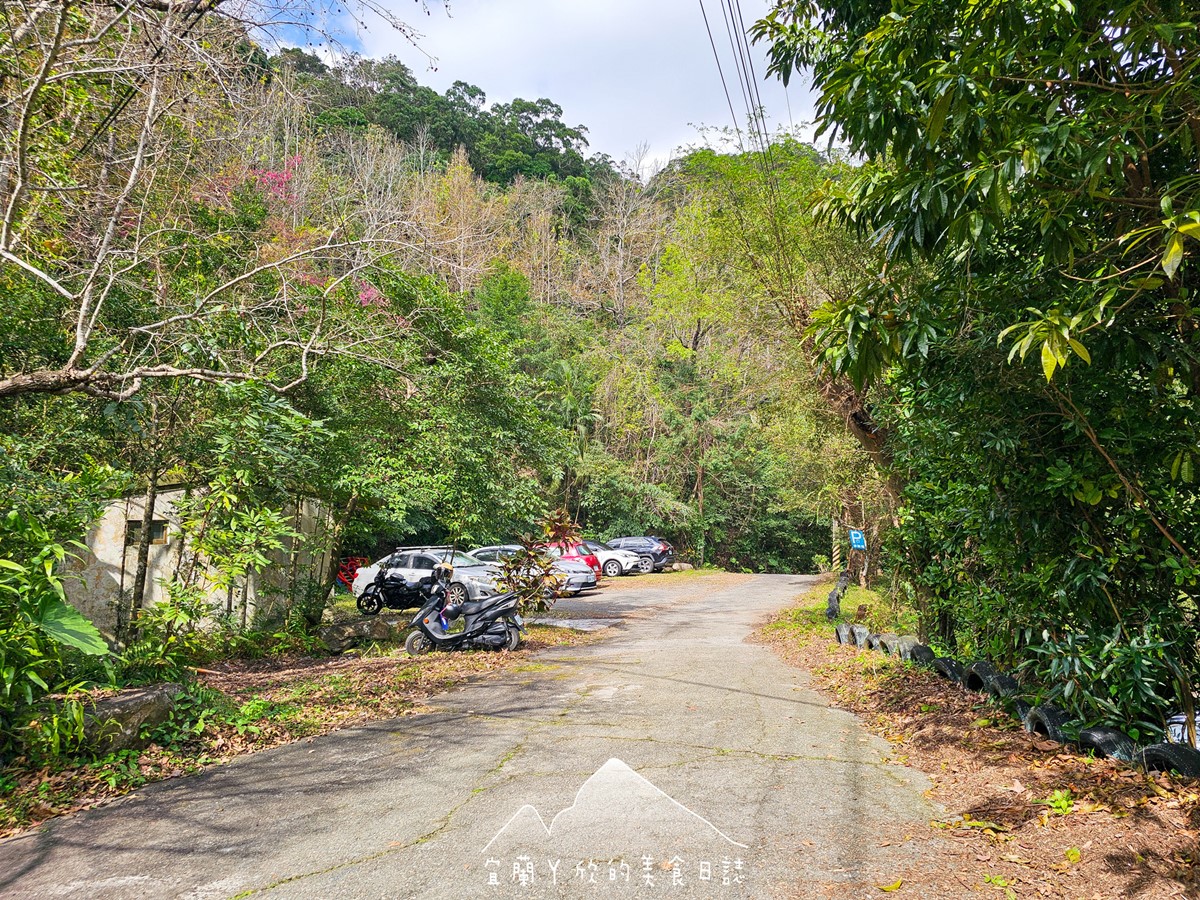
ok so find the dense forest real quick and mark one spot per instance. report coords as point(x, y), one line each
point(263, 281)
point(971, 331)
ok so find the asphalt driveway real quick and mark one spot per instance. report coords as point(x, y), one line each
point(671, 758)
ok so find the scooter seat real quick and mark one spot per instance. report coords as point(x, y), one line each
point(471, 608)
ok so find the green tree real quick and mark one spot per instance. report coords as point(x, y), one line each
point(1030, 175)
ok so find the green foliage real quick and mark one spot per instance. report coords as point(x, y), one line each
point(38, 629)
point(55, 728)
point(1061, 802)
point(529, 572)
point(564, 336)
point(503, 141)
point(1031, 344)
point(171, 637)
point(1110, 679)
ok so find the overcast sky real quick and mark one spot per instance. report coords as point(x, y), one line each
point(631, 71)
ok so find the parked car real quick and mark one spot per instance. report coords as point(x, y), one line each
point(614, 562)
point(578, 576)
point(574, 550)
point(654, 553)
point(473, 579)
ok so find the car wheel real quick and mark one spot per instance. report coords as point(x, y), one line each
point(646, 565)
point(456, 594)
point(612, 569)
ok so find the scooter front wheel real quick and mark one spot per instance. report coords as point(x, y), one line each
point(417, 644)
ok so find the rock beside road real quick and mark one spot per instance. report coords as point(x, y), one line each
point(343, 637)
point(116, 723)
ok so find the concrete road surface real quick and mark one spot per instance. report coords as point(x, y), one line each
point(670, 759)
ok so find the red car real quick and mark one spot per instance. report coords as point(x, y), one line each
point(577, 551)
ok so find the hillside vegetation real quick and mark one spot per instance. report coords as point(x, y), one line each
point(262, 280)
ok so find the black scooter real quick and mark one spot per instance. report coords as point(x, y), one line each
point(488, 624)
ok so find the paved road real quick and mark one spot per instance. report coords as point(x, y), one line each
point(684, 763)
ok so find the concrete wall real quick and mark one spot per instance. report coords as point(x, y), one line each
point(97, 577)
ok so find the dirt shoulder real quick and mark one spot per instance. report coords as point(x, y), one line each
point(1024, 817)
point(246, 706)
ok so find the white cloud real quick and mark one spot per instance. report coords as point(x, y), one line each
point(631, 71)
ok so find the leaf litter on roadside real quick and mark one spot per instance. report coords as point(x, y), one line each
point(274, 701)
point(990, 775)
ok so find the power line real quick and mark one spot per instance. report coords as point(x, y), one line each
point(721, 72)
point(738, 64)
point(755, 111)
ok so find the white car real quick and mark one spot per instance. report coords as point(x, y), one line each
point(614, 562)
point(473, 579)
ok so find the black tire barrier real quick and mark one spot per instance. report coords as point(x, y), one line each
point(948, 668)
point(889, 643)
point(922, 654)
point(1047, 721)
point(1108, 742)
point(1002, 686)
point(977, 675)
point(1170, 758)
point(842, 633)
point(833, 608)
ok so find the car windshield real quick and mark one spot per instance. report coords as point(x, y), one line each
point(599, 545)
point(456, 558)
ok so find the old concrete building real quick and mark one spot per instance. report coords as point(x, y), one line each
point(100, 579)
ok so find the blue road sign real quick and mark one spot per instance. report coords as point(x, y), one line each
point(858, 540)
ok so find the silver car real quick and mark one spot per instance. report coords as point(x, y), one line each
point(578, 576)
point(473, 579)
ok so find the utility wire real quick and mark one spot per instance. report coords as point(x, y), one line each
point(738, 64)
point(196, 13)
point(735, 25)
point(721, 72)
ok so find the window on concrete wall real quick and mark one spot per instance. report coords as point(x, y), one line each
point(133, 532)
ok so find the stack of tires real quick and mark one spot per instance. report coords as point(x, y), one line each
point(1045, 720)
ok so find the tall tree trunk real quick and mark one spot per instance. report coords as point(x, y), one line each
point(143, 555)
point(847, 403)
point(335, 551)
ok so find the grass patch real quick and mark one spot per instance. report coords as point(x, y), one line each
point(246, 706)
point(858, 605)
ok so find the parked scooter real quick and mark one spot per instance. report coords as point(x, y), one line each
point(488, 624)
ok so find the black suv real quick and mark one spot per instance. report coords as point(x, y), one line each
point(656, 554)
